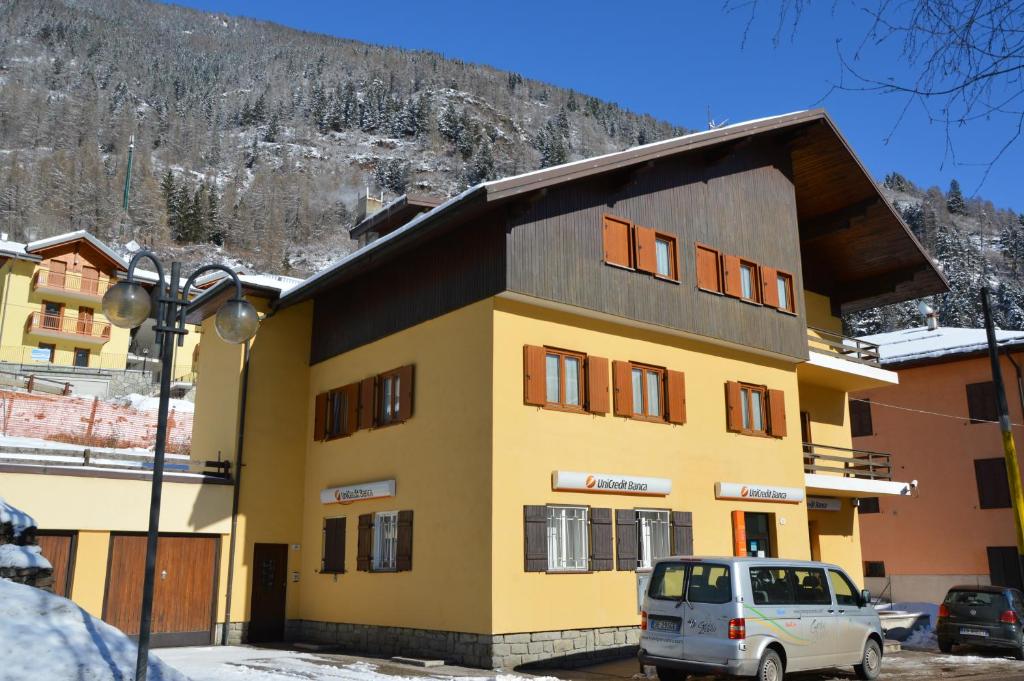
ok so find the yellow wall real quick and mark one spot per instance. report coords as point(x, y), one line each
point(90, 578)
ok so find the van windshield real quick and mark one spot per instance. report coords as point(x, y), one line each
point(697, 582)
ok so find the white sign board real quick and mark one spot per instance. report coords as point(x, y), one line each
point(350, 493)
point(606, 483)
point(747, 492)
point(41, 354)
point(823, 504)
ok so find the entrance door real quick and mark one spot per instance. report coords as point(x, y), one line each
point(59, 549)
point(266, 609)
point(1002, 566)
point(52, 313)
point(85, 321)
point(815, 537)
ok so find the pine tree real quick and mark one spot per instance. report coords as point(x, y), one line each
point(481, 167)
point(955, 199)
point(273, 129)
point(896, 182)
point(214, 223)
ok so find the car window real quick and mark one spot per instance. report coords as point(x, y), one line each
point(810, 587)
point(709, 584)
point(771, 586)
point(667, 581)
point(845, 592)
point(976, 598)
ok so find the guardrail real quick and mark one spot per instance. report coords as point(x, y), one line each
point(105, 459)
point(848, 463)
point(71, 282)
point(41, 322)
point(838, 345)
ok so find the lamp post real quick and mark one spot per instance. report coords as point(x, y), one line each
point(127, 305)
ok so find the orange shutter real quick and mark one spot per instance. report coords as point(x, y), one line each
point(676, 396)
point(739, 534)
point(733, 408)
point(731, 276)
point(708, 269)
point(777, 413)
point(623, 388)
point(646, 254)
point(597, 385)
point(618, 242)
point(351, 392)
point(534, 391)
point(769, 286)
point(405, 392)
point(320, 417)
point(367, 404)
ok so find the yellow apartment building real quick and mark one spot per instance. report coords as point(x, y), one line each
point(471, 437)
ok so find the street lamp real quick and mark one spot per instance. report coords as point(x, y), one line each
point(127, 305)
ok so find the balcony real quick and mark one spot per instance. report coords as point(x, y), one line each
point(842, 347)
point(63, 327)
point(70, 284)
point(840, 471)
point(842, 363)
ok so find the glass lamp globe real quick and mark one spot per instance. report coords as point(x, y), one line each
point(237, 321)
point(126, 304)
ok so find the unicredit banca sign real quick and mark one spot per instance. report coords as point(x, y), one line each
point(350, 493)
point(746, 492)
point(607, 483)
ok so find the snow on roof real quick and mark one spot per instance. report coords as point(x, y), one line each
point(911, 345)
point(39, 244)
point(18, 519)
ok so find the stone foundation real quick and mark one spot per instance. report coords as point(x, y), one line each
point(563, 648)
point(238, 632)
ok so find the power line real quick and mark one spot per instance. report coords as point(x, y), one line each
point(930, 413)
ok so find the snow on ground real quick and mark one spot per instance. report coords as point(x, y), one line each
point(152, 403)
point(16, 442)
point(44, 637)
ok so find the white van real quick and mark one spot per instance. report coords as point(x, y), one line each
point(757, 617)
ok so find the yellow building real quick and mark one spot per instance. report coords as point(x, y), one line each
point(470, 438)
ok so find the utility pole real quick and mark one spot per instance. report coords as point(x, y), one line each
point(1009, 450)
point(128, 175)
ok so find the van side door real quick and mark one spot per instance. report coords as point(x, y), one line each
point(814, 603)
point(771, 613)
point(853, 619)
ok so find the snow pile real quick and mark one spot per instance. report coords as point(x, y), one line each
point(18, 519)
point(152, 403)
point(48, 638)
point(21, 557)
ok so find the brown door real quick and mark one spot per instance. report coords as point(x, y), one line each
point(270, 570)
point(58, 548)
point(57, 273)
point(183, 594)
point(52, 313)
point(85, 321)
point(90, 279)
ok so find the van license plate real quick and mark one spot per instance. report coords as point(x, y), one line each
point(973, 632)
point(670, 624)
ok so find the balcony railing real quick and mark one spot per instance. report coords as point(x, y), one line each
point(838, 345)
point(847, 463)
point(63, 325)
point(71, 282)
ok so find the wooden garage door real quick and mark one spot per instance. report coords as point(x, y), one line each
point(183, 594)
point(58, 548)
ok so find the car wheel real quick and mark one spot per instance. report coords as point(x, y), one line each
point(770, 667)
point(668, 674)
point(1019, 652)
point(871, 663)
point(945, 646)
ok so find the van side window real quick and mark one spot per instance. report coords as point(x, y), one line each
point(810, 587)
point(710, 584)
point(667, 581)
point(846, 594)
point(772, 586)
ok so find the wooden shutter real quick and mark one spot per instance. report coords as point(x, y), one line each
point(320, 417)
point(982, 404)
point(618, 242)
point(777, 413)
point(682, 533)
point(733, 408)
point(367, 402)
point(334, 545)
point(770, 287)
point(625, 539)
point(993, 485)
point(731, 276)
point(534, 389)
point(600, 539)
point(364, 552)
point(535, 538)
point(676, 381)
point(597, 385)
point(709, 265)
point(739, 534)
point(646, 253)
point(351, 392)
point(403, 553)
point(405, 392)
point(622, 386)
point(860, 418)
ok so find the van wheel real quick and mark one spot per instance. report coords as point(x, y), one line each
point(668, 674)
point(770, 667)
point(871, 664)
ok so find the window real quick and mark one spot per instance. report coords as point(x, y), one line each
point(993, 486)
point(869, 505)
point(667, 582)
point(846, 593)
point(758, 532)
point(649, 393)
point(563, 379)
point(639, 248)
point(333, 559)
point(648, 390)
point(394, 396)
point(755, 410)
point(752, 400)
point(810, 587)
point(784, 286)
point(860, 418)
point(749, 282)
point(666, 257)
point(982, 404)
point(52, 348)
point(772, 586)
point(709, 269)
point(693, 582)
point(385, 541)
point(567, 538)
point(652, 530)
point(874, 568)
point(618, 242)
point(82, 357)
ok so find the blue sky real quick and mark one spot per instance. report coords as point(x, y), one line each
point(674, 60)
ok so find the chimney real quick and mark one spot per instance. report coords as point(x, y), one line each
point(367, 205)
point(931, 317)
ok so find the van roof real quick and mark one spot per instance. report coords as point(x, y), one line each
point(746, 560)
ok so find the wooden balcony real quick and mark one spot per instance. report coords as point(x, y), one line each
point(847, 463)
point(63, 327)
point(70, 284)
point(838, 345)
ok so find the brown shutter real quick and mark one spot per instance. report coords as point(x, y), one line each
point(733, 408)
point(676, 381)
point(534, 389)
point(739, 534)
point(860, 418)
point(403, 552)
point(625, 539)
point(320, 417)
point(597, 385)
point(731, 276)
point(617, 242)
point(367, 402)
point(682, 533)
point(708, 269)
point(777, 411)
point(535, 538)
point(623, 388)
point(334, 545)
point(601, 539)
point(769, 286)
point(646, 253)
point(351, 392)
point(364, 552)
point(405, 392)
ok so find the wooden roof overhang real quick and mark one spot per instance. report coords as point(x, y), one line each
point(395, 214)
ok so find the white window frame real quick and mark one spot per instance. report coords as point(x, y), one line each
point(385, 544)
point(559, 522)
point(649, 520)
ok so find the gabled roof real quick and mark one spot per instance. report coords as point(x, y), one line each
point(34, 247)
point(921, 345)
point(267, 286)
point(395, 214)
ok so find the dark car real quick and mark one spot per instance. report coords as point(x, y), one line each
point(982, 616)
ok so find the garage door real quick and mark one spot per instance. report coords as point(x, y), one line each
point(183, 595)
point(59, 549)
